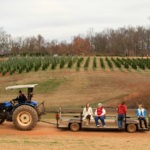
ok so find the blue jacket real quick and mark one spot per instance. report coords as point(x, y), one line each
point(141, 113)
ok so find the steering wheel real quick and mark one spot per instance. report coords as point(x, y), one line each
point(12, 102)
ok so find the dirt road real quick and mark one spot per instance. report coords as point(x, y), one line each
point(47, 136)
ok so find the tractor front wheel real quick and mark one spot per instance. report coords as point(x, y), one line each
point(25, 117)
point(2, 118)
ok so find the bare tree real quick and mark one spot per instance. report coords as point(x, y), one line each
point(5, 42)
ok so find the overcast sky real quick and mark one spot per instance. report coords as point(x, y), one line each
point(61, 19)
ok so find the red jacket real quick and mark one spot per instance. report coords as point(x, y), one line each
point(122, 109)
point(100, 111)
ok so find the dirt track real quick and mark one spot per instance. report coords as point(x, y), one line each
point(73, 140)
point(45, 129)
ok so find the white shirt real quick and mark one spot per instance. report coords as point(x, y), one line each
point(87, 112)
point(141, 111)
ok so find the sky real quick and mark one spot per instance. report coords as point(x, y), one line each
point(63, 19)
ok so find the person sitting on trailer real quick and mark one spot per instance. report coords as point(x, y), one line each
point(21, 98)
point(141, 114)
point(100, 114)
point(87, 113)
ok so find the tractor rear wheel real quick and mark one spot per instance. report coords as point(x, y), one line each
point(25, 117)
point(2, 118)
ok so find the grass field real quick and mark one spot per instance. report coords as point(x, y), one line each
point(69, 87)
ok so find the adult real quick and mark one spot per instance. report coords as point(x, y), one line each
point(121, 110)
point(30, 96)
point(21, 98)
point(141, 114)
point(100, 114)
point(87, 113)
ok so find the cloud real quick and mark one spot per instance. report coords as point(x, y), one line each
point(55, 18)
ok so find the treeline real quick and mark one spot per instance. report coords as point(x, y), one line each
point(123, 42)
point(131, 41)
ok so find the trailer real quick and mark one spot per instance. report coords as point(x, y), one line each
point(73, 119)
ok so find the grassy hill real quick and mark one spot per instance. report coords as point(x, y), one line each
point(68, 87)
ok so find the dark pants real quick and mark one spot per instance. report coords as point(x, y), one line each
point(142, 119)
point(101, 119)
point(88, 117)
point(120, 120)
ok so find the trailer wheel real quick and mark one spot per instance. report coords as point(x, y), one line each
point(131, 128)
point(25, 117)
point(74, 127)
point(2, 119)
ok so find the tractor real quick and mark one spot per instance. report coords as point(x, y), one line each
point(24, 115)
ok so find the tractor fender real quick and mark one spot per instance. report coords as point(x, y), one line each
point(28, 104)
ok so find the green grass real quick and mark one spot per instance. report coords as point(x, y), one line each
point(49, 85)
point(43, 87)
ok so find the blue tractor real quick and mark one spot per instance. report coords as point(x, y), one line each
point(23, 114)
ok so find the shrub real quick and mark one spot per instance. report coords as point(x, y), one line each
point(86, 65)
point(109, 63)
point(102, 63)
point(94, 63)
point(70, 63)
point(62, 63)
point(80, 60)
point(117, 63)
point(54, 64)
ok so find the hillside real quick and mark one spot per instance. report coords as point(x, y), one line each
point(75, 88)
